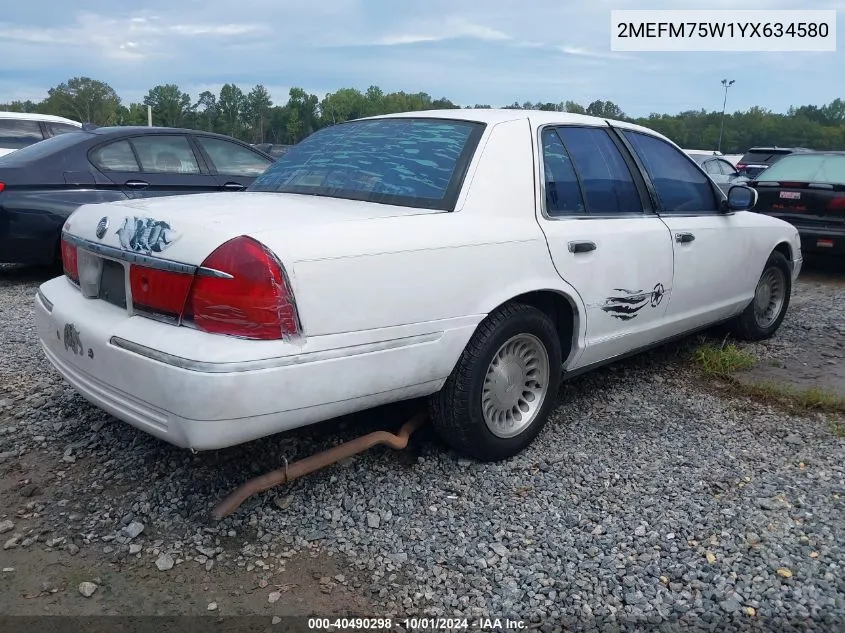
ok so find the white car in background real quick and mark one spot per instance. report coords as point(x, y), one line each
point(19, 130)
point(472, 256)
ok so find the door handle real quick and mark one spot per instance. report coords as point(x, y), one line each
point(233, 186)
point(581, 247)
point(684, 238)
point(136, 184)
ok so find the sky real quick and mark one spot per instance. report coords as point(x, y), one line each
point(491, 52)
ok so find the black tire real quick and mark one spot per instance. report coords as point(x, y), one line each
point(456, 410)
point(746, 327)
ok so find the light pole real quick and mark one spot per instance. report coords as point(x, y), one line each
point(727, 84)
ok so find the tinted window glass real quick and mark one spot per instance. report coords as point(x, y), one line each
point(727, 168)
point(47, 147)
point(160, 154)
point(404, 161)
point(605, 178)
point(712, 167)
point(17, 133)
point(115, 156)
point(826, 168)
point(61, 128)
point(680, 186)
point(232, 159)
point(563, 193)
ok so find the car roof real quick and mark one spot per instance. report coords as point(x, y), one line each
point(31, 116)
point(143, 129)
point(536, 117)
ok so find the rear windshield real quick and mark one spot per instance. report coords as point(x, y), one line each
point(824, 168)
point(761, 158)
point(39, 150)
point(414, 162)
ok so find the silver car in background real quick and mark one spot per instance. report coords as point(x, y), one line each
point(719, 168)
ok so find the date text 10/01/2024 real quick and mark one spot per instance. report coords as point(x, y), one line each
point(417, 624)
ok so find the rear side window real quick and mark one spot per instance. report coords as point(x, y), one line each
point(726, 167)
point(231, 159)
point(605, 178)
point(712, 167)
point(61, 128)
point(18, 133)
point(680, 186)
point(563, 192)
point(166, 154)
point(822, 168)
point(117, 156)
point(403, 161)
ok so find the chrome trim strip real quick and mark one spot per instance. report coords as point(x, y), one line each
point(272, 363)
point(133, 258)
point(48, 305)
point(205, 271)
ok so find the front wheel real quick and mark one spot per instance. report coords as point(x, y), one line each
point(503, 388)
point(763, 316)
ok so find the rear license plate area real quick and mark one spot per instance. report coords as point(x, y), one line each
point(113, 283)
point(790, 195)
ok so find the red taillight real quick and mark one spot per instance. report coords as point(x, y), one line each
point(740, 166)
point(253, 300)
point(2, 186)
point(837, 206)
point(159, 291)
point(69, 261)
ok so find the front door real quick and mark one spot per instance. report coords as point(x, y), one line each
point(712, 279)
point(235, 166)
point(604, 239)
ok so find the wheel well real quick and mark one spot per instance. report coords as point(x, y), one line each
point(560, 309)
point(786, 250)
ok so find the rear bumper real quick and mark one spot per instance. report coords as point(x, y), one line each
point(822, 240)
point(209, 402)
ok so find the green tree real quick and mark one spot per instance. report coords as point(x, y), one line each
point(85, 100)
point(230, 106)
point(256, 112)
point(170, 105)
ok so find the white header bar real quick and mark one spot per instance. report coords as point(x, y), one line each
point(723, 30)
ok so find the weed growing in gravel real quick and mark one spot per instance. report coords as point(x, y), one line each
point(722, 360)
point(800, 400)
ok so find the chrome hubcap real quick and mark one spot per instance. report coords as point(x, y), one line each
point(769, 297)
point(515, 386)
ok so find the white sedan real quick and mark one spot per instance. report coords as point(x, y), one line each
point(473, 256)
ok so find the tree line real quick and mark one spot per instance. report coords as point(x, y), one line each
point(253, 117)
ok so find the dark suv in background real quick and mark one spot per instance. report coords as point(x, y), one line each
point(758, 159)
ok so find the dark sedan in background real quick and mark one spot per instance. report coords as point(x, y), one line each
point(808, 191)
point(41, 185)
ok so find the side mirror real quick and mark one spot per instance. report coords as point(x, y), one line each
point(741, 198)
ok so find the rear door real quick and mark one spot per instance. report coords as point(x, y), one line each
point(234, 166)
point(604, 239)
point(153, 165)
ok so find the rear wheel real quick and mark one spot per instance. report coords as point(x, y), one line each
point(504, 386)
point(763, 316)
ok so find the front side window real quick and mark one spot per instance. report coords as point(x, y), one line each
point(680, 186)
point(607, 183)
point(165, 154)
point(403, 161)
point(231, 159)
point(563, 192)
point(19, 133)
point(115, 156)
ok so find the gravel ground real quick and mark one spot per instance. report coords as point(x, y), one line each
point(649, 498)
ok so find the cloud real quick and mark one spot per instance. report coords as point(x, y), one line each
point(495, 52)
